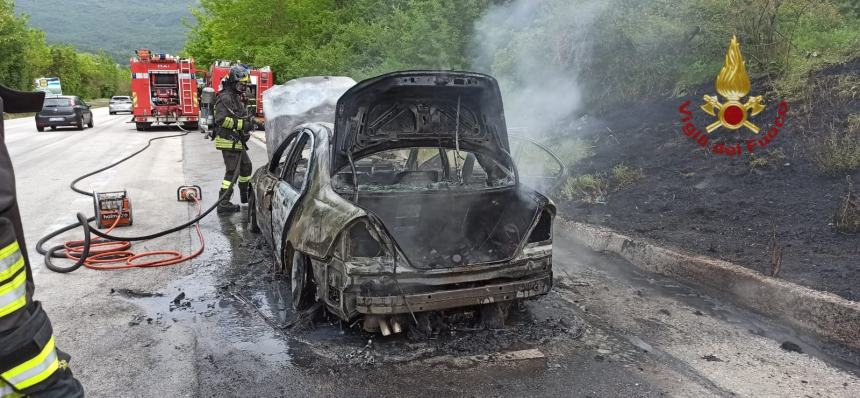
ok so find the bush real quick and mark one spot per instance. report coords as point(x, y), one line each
point(595, 188)
point(589, 188)
point(840, 151)
point(622, 176)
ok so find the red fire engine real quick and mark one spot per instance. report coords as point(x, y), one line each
point(262, 79)
point(164, 90)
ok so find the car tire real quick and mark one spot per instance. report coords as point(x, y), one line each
point(252, 212)
point(53, 128)
point(141, 126)
point(91, 123)
point(40, 129)
point(302, 287)
point(112, 113)
point(80, 124)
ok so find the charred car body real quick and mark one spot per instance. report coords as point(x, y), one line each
point(410, 202)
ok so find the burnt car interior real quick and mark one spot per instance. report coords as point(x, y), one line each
point(445, 208)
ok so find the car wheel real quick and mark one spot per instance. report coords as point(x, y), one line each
point(302, 288)
point(252, 212)
point(141, 126)
point(53, 128)
point(80, 124)
point(90, 124)
point(112, 113)
point(40, 128)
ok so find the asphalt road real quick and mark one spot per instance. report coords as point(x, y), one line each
point(605, 330)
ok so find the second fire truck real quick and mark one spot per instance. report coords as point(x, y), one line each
point(262, 79)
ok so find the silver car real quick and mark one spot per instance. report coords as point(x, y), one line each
point(409, 203)
point(120, 103)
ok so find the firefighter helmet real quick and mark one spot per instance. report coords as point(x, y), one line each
point(238, 74)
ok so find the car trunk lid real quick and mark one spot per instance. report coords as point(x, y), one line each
point(415, 108)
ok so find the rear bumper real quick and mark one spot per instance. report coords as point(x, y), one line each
point(59, 120)
point(166, 119)
point(120, 108)
point(441, 300)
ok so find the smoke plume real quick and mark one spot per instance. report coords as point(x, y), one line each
point(538, 50)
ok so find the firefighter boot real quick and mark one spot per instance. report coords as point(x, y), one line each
point(225, 206)
point(244, 190)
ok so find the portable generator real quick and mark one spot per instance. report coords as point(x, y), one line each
point(109, 206)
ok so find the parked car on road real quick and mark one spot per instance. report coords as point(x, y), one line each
point(120, 103)
point(64, 110)
point(410, 203)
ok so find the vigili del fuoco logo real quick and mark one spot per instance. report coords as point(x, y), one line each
point(732, 112)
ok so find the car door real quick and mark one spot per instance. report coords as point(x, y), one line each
point(266, 186)
point(82, 107)
point(538, 167)
point(88, 111)
point(289, 188)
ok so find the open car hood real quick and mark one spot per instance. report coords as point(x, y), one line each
point(420, 108)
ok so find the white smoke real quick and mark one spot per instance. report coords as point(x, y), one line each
point(538, 50)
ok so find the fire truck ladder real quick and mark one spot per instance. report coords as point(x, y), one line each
point(187, 93)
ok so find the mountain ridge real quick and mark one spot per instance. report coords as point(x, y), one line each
point(117, 27)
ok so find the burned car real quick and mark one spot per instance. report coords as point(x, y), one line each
point(409, 202)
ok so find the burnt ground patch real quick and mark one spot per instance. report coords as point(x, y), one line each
point(729, 207)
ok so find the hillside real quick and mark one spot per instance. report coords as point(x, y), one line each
point(117, 26)
point(647, 177)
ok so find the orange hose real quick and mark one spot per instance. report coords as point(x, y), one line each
point(104, 252)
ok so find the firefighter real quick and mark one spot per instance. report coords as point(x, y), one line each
point(233, 125)
point(30, 363)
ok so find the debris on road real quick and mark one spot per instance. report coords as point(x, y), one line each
point(496, 357)
point(791, 347)
point(134, 293)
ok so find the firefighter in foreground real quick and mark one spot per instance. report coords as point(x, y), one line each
point(30, 363)
point(233, 125)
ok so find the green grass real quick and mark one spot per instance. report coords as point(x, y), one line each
point(760, 160)
point(623, 176)
point(589, 188)
point(596, 188)
point(839, 152)
point(98, 102)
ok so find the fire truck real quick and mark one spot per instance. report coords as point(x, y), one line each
point(262, 79)
point(163, 90)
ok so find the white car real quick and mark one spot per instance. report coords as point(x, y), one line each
point(120, 103)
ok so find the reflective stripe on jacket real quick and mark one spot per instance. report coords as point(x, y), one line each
point(35, 370)
point(27, 356)
point(13, 273)
point(232, 120)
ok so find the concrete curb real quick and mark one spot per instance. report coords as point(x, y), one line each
point(824, 314)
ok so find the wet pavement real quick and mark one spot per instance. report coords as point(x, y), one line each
point(222, 326)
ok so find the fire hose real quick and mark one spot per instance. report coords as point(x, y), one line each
point(107, 249)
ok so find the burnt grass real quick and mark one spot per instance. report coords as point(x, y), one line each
point(729, 207)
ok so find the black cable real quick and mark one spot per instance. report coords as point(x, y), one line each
point(83, 221)
point(145, 147)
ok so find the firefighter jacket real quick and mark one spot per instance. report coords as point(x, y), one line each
point(233, 122)
point(29, 362)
